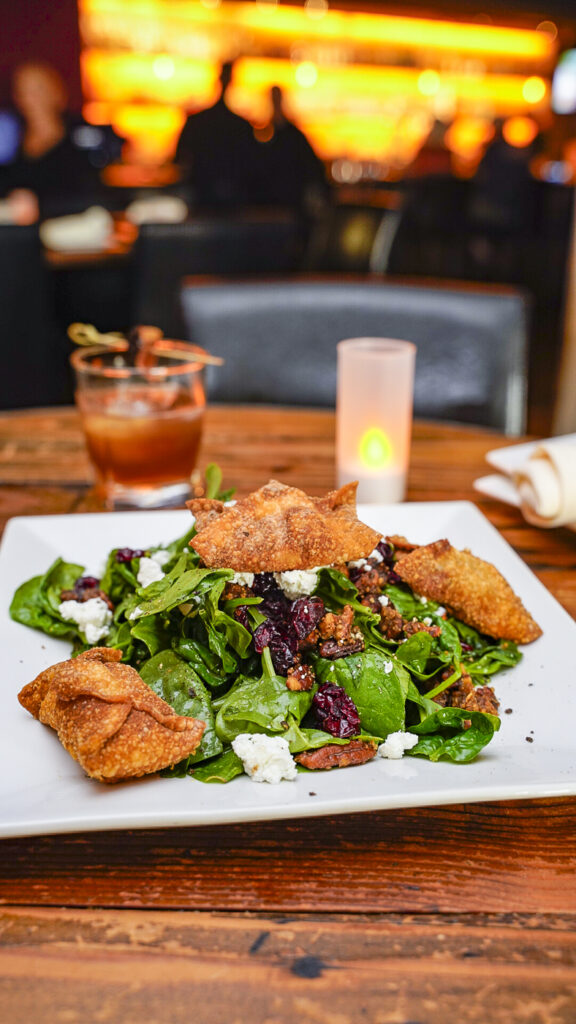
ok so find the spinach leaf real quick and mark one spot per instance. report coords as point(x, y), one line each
point(213, 483)
point(119, 578)
point(207, 664)
point(494, 659)
point(222, 629)
point(408, 604)
point(443, 735)
point(154, 631)
point(300, 739)
point(376, 682)
point(36, 602)
point(177, 587)
point(261, 705)
point(426, 705)
point(177, 683)
point(415, 654)
point(220, 769)
point(487, 656)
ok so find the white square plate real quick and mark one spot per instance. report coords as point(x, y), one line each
point(42, 790)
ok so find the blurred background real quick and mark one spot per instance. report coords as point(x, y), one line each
point(148, 141)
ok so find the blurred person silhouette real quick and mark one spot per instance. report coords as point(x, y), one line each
point(294, 175)
point(433, 159)
point(48, 166)
point(217, 152)
point(503, 185)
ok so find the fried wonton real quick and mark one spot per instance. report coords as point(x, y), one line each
point(280, 528)
point(108, 719)
point(473, 590)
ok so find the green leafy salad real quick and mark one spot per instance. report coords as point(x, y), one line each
point(341, 662)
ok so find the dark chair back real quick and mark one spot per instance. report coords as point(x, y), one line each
point(279, 340)
point(166, 253)
point(33, 351)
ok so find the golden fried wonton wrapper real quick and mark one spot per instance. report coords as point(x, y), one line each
point(108, 719)
point(279, 528)
point(473, 590)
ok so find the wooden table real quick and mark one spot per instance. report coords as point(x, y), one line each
point(449, 914)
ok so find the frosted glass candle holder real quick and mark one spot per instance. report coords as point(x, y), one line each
point(374, 416)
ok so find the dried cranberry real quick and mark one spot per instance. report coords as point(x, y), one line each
point(386, 551)
point(335, 712)
point(262, 636)
point(86, 583)
point(355, 572)
point(241, 615)
point(263, 583)
point(127, 554)
point(305, 614)
point(466, 647)
point(283, 644)
point(393, 577)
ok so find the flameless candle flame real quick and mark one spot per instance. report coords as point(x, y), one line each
point(374, 449)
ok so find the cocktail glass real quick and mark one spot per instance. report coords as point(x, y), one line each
point(143, 422)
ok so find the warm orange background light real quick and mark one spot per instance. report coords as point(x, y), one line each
point(146, 62)
point(520, 131)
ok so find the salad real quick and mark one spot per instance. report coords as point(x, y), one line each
point(340, 661)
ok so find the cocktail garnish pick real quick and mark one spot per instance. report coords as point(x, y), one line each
point(142, 344)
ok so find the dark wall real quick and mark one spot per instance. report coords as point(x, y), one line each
point(43, 30)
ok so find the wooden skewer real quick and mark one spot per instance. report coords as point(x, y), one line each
point(87, 334)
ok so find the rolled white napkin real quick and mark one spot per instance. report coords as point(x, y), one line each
point(157, 210)
point(79, 231)
point(546, 484)
point(539, 477)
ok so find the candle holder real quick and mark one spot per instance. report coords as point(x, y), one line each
point(374, 416)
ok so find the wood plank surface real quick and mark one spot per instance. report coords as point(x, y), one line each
point(133, 966)
point(475, 858)
point(443, 914)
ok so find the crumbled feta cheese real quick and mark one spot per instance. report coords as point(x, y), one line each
point(396, 743)
point(440, 610)
point(265, 758)
point(377, 556)
point(93, 617)
point(297, 582)
point(384, 600)
point(161, 557)
point(245, 579)
point(427, 621)
point(149, 571)
point(388, 666)
point(359, 563)
point(423, 600)
point(135, 613)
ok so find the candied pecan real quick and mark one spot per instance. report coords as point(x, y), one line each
point(85, 595)
point(300, 677)
point(337, 627)
point(391, 622)
point(335, 756)
point(371, 602)
point(342, 648)
point(371, 580)
point(336, 635)
point(232, 591)
point(415, 626)
point(463, 694)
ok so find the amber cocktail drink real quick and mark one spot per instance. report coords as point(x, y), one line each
point(143, 422)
